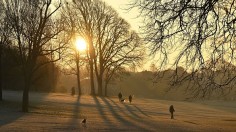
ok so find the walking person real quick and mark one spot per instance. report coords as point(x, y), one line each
point(130, 98)
point(172, 110)
point(73, 91)
point(120, 96)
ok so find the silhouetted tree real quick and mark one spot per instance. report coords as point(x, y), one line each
point(82, 11)
point(197, 34)
point(33, 31)
point(116, 45)
point(75, 59)
point(113, 74)
point(46, 77)
point(1, 31)
point(4, 40)
point(72, 63)
point(111, 42)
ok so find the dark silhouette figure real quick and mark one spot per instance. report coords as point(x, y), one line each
point(130, 99)
point(84, 122)
point(172, 110)
point(120, 96)
point(73, 91)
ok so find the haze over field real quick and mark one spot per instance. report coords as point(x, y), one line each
point(118, 65)
point(63, 112)
point(143, 85)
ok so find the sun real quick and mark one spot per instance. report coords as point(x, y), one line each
point(80, 44)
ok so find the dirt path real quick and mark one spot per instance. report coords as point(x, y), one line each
point(61, 112)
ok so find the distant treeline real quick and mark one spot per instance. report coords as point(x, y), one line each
point(45, 79)
point(158, 85)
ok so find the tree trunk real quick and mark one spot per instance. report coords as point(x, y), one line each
point(105, 88)
point(99, 79)
point(25, 102)
point(78, 75)
point(91, 78)
point(79, 85)
point(0, 72)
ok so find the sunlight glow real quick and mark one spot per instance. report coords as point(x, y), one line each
point(80, 44)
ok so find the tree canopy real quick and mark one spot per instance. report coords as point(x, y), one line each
point(201, 33)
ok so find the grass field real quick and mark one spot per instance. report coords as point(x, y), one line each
point(62, 112)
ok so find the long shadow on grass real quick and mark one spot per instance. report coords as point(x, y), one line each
point(131, 110)
point(141, 111)
point(76, 116)
point(100, 108)
point(82, 110)
point(9, 112)
point(128, 109)
point(142, 122)
point(118, 116)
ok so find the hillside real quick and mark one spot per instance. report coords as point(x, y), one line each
point(62, 112)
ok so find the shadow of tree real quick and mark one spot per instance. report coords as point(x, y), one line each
point(105, 114)
point(77, 116)
point(129, 120)
point(141, 120)
point(99, 107)
point(9, 112)
point(141, 111)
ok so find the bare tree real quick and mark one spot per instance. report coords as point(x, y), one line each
point(72, 63)
point(2, 40)
point(34, 29)
point(201, 33)
point(116, 45)
point(111, 42)
point(113, 74)
point(83, 11)
point(79, 21)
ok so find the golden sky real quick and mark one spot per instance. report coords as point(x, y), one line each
point(130, 16)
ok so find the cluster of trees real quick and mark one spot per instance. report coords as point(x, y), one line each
point(29, 29)
point(37, 33)
point(198, 35)
point(45, 79)
point(111, 43)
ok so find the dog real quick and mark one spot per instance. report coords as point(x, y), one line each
point(84, 122)
point(122, 100)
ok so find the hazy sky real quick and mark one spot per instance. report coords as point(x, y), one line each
point(131, 17)
point(120, 6)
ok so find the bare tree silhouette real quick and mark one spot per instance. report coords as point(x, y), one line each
point(33, 31)
point(201, 33)
point(111, 43)
point(3, 39)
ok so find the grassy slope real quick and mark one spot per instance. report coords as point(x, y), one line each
point(61, 112)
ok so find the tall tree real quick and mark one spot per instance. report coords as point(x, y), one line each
point(4, 40)
point(111, 42)
point(116, 45)
point(1, 43)
point(200, 33)
point(84, 27)
point(33, 32)
point(74, 57)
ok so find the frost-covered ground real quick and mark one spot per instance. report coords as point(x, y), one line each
point(62, 112)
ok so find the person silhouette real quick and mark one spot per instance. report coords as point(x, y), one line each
point(172, 110)
point(73, 91)
point(130, 99)
point(120, 96)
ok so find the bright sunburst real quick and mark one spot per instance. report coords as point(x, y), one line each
point(80, 44)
